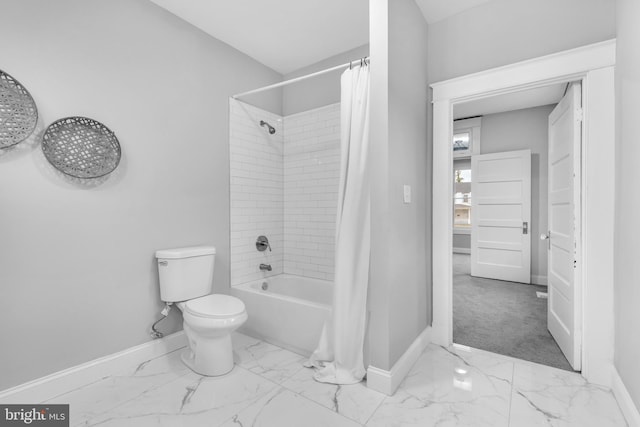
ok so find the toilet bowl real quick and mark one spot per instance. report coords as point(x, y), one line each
point(208, 323)
point(186, 278)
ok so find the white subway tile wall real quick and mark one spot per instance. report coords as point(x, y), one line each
point(284, 186)
point(311, 180)
point(257, 192)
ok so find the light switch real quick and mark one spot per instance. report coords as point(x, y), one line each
point(407, 194)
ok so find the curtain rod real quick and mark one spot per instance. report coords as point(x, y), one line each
point(297, 79)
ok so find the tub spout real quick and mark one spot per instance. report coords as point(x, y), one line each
point(265, 267)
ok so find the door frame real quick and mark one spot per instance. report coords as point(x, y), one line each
point(594, 66)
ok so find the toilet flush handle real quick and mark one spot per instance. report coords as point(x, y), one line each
point(163, 263)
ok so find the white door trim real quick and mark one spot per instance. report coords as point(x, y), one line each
point(594, 65)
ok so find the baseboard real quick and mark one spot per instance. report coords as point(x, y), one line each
point(45, 388)
point(387, 382)
point(462, 251)
point(629, 409)
point(537, 279)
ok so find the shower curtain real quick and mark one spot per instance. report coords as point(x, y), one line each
point(339, 355)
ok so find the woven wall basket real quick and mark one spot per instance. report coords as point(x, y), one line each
point(81, 147)
point(18, 112)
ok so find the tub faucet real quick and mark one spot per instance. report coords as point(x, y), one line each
point(265, 267)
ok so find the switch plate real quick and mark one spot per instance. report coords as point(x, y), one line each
point(407, 194)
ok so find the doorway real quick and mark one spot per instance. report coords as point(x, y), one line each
point(594, 65)
point(499, 292)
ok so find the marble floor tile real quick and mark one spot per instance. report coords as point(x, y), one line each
point(169, 365)
point(490, 364)
point(191, 400)
point(544, 396)
point(455, 386)
point(354, 401)
point(101, 396)
point(265, 359)
point(283, 408)
point(445, 389)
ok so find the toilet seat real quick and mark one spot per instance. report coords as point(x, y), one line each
point(215, 306)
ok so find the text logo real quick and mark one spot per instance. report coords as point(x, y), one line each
point(34, 415)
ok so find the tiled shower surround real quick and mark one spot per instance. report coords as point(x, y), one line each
point(257, 193)
point(311, 180)
point(284, 186)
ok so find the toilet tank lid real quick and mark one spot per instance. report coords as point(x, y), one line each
point(187, 252)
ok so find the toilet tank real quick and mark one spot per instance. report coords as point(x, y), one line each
point(185, 273)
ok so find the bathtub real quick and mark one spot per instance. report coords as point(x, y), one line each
point(290, 313)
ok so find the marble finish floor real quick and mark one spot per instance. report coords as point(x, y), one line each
point(270, 387)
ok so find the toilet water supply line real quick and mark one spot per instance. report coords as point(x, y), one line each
point(165, 312)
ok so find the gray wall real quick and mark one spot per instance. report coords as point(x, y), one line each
point(320, 90)
point(627, 267)
point(400, 284)
point(77, 272)
point(501, 32)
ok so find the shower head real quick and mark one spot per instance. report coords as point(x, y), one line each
point(272, 130)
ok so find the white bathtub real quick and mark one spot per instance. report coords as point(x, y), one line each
point(289, 313)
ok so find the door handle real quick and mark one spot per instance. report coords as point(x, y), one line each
point(546, 237)
point(525, 227)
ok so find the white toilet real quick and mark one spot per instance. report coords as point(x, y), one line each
point(186, 278)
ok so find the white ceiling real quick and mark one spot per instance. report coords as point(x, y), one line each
point(509, 102)
point(287, 35)
point(437, 10)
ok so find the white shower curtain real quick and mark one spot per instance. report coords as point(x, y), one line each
point(340, 351)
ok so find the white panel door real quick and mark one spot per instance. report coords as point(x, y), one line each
point(563, 313)
point(501, 216)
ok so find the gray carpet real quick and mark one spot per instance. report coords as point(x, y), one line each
point(503, 317)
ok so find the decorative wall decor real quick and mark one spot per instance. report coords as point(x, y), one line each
point(18, 112)
point(81, 147)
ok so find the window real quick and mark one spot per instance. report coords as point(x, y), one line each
point(462, 199)
point(461, 141)
point(466, 143)
point(466, 137)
